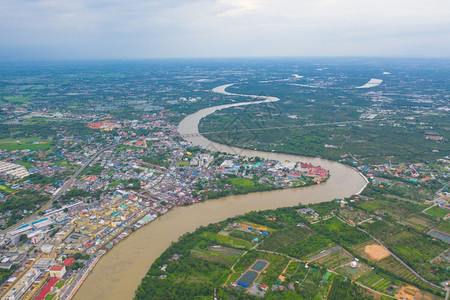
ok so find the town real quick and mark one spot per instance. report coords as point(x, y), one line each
point(139, 179)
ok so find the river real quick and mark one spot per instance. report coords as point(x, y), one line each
point(119, 272)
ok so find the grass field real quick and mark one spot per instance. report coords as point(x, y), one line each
point(437, 212)
point(13, 99)
point(335, 259)
point(241, 182)
point(227, 240)
point(6, 189)
point(26, 143)
point(213, 257)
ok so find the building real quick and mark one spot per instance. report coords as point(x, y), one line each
point(23, 284)
point(13, 169)
point(57, 271)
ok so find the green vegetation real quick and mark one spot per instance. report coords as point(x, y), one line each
point(5, 273)
point(340, 233)
point(227, 241)
point(307, 247)
point(437, 212)
point(208, 254)
point(21, 204)
point(25, 143)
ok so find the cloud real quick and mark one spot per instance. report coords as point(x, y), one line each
point(208, 28)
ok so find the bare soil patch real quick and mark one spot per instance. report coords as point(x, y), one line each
point(376, 252)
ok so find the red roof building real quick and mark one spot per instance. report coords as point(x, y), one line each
point(69, 261)
point(47, 288)
point(56, 268)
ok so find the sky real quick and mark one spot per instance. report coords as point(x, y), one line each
point(136, 29)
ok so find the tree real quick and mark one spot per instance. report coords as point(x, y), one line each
point(23, 238)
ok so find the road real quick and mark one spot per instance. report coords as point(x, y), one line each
point(62, 190)
point(69, 182)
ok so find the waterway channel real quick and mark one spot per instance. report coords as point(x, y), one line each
point(119, 272)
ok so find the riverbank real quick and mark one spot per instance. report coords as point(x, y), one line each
point(120, 271)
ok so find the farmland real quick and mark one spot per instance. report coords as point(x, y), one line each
point(221, 255)
point(437, 212)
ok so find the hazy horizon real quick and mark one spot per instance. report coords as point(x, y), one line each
point(92, 30)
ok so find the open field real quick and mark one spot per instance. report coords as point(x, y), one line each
point(213, 257)
point(437, 212)
point(335, 259)
point(25, 143)
point(6, 189)
point(247, 224)
point(412, 293)
point(227, 241)
point(376, 252)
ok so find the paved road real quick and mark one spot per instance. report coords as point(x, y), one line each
point(69, 182)
point(62, 190)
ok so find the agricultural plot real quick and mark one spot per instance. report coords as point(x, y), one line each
point(382, 229)
point(226, 251)
point(245, 235)
point(353, 215)
point(340, 232)
point(313, 286)
point(419, 222)
point(273, 271)
point(259, 227)
point(285, 237)
point(292, 268)
point(437, 212)
point(392, 265)
point(417, 251)
point(402, 209)
point(227, 241)
point(444, 227)
point(410, 191)
point(409, 292)
point(222, 255)
point(353, 271)
point(307, 247)
point(335, 259)
point(378, 283)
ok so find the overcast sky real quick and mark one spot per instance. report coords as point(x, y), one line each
point(92, 29)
